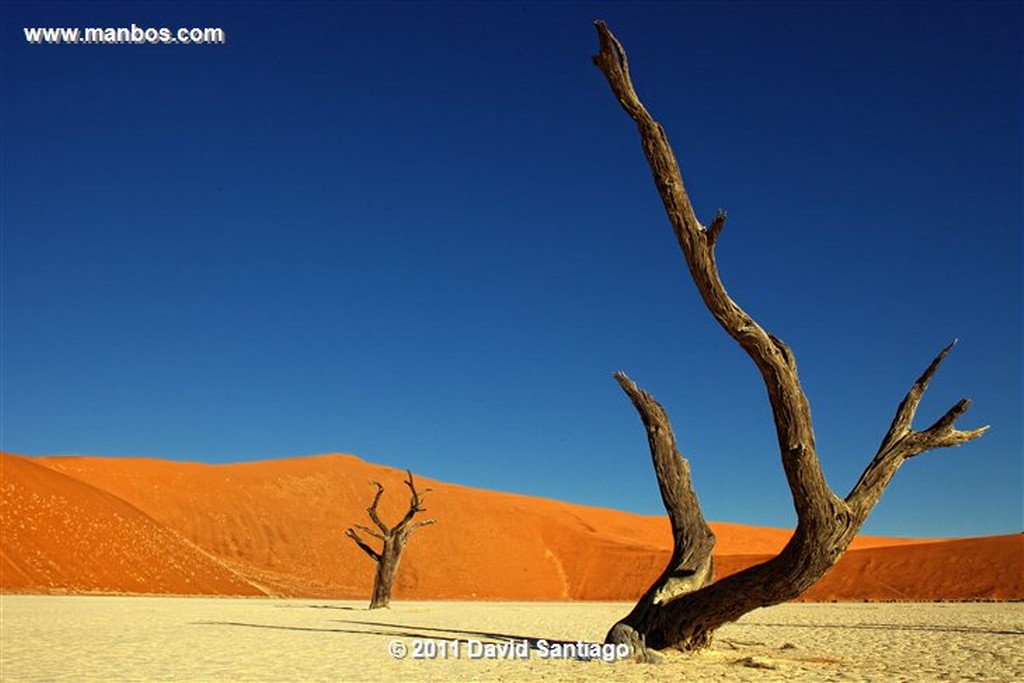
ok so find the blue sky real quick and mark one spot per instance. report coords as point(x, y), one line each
point(425, 234)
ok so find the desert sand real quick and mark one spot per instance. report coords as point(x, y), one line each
point(275, 528)
point(107, 638)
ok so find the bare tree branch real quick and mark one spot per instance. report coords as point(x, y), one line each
point(902, 442)
point(415, 502)
point(908, 407)
point(690, 532)
point(351, 533)
point(811, 496)
point(691, 566)
point(372, 510)
point(368, 530)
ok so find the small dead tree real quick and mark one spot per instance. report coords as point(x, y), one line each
point(684, 607)
point(393, 539)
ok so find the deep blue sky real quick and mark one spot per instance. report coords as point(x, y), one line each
point(425, 234)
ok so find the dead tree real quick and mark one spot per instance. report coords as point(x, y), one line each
point(684, 607)
point(393, 539)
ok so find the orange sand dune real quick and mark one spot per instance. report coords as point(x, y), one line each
point(990, 568)
point(138, 525)
point(987, 568)
point(62, 535)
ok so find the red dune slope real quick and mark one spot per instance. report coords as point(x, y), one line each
point(278, 526)
point(987, 568)
point(281, 524)
point(62, 535)
point(990, 568)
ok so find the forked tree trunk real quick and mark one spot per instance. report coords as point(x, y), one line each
point(683, 608)
point(393, 540)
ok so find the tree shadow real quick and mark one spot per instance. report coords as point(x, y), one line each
point(394, 630)
point(278, 627)
point(438, 633)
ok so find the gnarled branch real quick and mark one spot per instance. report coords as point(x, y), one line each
point(902, 442)
point(372, 510)
point(791, 411)
point(691, 566)
point(415, 505)
point(374, 555)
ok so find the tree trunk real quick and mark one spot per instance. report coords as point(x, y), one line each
point(683, 608)
point(384, 577)
point(393, 540)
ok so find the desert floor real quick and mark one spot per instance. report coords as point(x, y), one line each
point(106, 638)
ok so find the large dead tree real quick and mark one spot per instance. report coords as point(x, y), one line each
point(684, 607)
point(393, 540)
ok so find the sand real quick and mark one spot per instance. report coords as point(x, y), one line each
point(136, 525)
point(109, 638)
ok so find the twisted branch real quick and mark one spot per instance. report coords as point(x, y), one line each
point(903, 442)
point(791, 411)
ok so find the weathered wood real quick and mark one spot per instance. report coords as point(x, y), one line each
point(686, 613)
point(691, 565)
point(393, 538)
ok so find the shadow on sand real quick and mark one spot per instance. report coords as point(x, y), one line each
point(393, 630)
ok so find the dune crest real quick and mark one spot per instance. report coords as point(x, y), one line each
point(134, 525)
